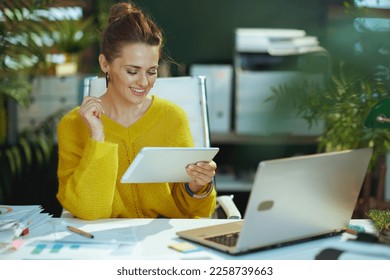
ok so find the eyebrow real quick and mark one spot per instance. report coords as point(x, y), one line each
point(139, 67)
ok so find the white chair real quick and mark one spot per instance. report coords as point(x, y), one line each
point(189, 93)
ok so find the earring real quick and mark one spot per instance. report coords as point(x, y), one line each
point(107, 79)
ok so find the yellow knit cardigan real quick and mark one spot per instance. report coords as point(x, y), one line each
point(89, 172)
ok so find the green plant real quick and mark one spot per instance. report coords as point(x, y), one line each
point(27, 36)
point(21, 48)
point(380, 218)
point(342, 104)
point(21, 52)
point(73, 36)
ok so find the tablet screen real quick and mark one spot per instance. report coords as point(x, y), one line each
point(165, 164)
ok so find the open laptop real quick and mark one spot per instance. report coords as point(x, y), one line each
point(292, 199)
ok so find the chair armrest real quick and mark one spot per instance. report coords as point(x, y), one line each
point(227, 204)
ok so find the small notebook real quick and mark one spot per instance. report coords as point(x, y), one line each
point(165, 164)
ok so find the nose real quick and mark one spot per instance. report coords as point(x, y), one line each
point(142, 80)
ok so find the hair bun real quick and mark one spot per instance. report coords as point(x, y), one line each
point(128, 24)
point(121, 10)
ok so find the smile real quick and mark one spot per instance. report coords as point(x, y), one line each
point(138, 91)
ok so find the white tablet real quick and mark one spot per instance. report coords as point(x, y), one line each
point(165, 164)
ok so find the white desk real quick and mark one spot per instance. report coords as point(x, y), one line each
point(149, 239)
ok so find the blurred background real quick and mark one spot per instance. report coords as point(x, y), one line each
point(284, 78)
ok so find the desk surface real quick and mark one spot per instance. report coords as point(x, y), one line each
point(148, 239)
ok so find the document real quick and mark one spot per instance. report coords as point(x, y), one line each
point(108, 233)
point(19, 221)
point(59, 250)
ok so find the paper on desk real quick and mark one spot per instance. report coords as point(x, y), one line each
point(59, 250)
point(29, 215)
point(20, 220)
point(103, 233)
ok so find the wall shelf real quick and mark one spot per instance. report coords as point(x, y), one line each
point(234, 138)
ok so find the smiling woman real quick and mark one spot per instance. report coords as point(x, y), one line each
point(99, 139)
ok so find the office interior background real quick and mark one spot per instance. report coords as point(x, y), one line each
point(49, 47)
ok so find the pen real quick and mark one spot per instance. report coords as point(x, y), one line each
point(79, 231)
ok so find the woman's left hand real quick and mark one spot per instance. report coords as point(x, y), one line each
point(202, 173)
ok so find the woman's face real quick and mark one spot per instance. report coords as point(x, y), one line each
point(134, 72)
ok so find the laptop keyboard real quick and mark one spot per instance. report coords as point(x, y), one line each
point(228, 239)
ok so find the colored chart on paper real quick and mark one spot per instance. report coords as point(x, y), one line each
point(68, 250)
point(53, 248)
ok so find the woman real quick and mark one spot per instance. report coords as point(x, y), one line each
point(98, 140)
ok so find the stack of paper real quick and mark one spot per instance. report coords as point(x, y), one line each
point(19, 221)
point(275, 41)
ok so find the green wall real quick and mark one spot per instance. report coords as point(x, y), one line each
point(202, 31)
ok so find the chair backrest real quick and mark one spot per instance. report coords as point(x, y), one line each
point(187, 92)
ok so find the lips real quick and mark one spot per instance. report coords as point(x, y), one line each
point(137, 91)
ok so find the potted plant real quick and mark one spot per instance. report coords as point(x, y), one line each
point(72, 37)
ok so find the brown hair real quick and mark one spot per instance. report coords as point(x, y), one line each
point(128, 24)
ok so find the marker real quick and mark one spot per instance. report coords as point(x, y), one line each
point(25, 232)
point(79, 231)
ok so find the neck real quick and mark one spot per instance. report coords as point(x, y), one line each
point(124, 112)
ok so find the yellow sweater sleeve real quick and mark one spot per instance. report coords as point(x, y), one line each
point(87, 171)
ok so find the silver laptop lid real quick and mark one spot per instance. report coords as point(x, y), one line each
point(302, 197)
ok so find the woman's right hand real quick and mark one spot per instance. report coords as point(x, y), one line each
point(91, 111)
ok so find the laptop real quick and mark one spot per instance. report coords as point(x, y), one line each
point(292, 200)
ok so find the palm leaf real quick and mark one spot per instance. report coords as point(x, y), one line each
point(16, 87)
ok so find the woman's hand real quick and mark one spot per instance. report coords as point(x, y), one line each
point(202, 173)
point(91, 111)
